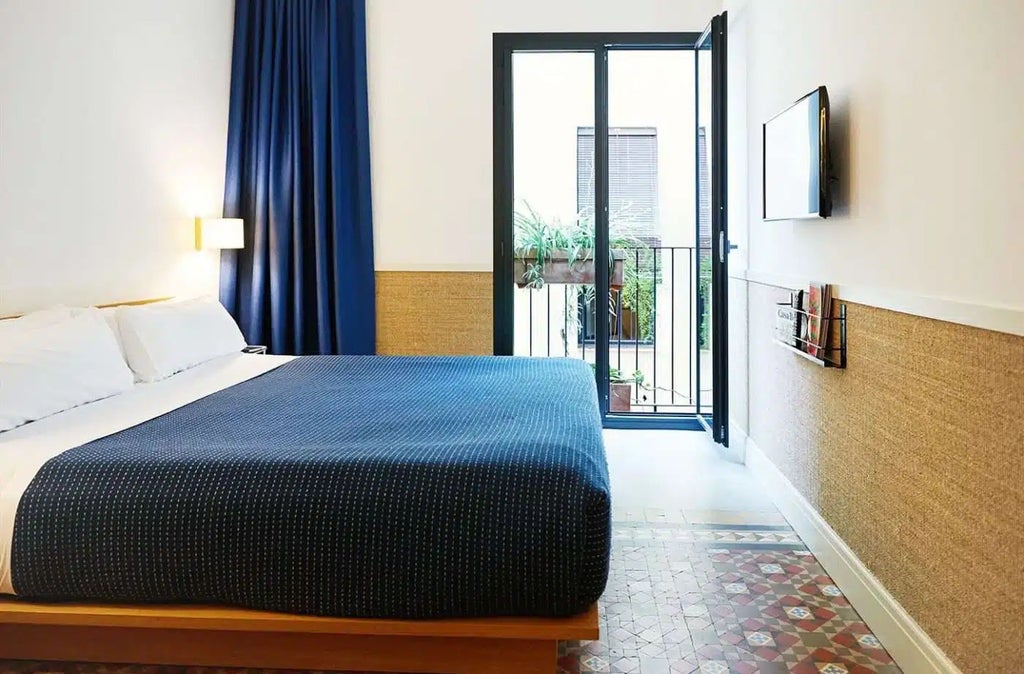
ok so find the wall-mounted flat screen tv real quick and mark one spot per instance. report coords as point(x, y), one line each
point(796, 160)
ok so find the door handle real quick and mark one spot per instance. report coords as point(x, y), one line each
point(724, 247)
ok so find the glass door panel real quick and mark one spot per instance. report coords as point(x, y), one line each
point(604, 216)
point(553, 221)
point(651, 227)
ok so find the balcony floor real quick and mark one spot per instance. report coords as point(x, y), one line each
point(680, 476)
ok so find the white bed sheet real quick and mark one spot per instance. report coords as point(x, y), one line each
point(24, 450)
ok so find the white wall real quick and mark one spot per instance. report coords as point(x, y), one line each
point(928, 121)
point(113, 123)
point(430, 113)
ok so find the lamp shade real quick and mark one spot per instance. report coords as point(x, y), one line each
point(219, 233)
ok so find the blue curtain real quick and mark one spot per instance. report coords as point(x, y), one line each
point(298, 173)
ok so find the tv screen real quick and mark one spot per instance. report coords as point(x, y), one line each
point(796, 160)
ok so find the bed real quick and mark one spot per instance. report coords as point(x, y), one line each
point(376, 513)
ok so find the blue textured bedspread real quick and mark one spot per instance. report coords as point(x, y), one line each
point(349, 486)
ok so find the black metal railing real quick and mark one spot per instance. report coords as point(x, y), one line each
point(655, 326)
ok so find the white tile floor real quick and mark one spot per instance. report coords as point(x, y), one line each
point(681, 474)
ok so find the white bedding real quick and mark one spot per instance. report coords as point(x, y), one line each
point(24, 450)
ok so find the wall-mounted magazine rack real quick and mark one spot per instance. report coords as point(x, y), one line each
point(831, 355)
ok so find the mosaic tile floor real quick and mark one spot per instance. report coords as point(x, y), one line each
point(688, 597)
point(722, 598)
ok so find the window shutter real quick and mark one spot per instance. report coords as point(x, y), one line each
point(632, 179)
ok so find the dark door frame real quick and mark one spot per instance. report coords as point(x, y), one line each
point(504, 45)
point(714, 36)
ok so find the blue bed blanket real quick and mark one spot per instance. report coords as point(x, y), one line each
point(348, 486)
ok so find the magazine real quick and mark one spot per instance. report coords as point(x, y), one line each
point(819, 310)
point(787, 325)
point(789, 321)
point(796, 300)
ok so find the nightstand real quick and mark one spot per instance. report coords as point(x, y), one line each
point(255, 348)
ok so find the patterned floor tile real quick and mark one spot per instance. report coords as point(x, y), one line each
point(739, 597)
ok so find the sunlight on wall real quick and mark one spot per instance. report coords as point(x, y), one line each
point(106, 159)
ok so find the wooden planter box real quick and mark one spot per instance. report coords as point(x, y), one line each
point(621, 393)
point(558, 269)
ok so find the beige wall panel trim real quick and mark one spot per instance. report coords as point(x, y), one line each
point(908, 644)
point(434, 313)
point(988, 317)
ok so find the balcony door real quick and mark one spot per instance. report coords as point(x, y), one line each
point(713, 251)
point(597, 184)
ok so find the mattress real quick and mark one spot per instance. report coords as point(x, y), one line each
point(347, 486)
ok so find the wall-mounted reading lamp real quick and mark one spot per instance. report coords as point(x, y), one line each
point(219, 233)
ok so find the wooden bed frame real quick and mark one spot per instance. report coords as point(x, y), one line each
point(228, 637)
point(129, 303)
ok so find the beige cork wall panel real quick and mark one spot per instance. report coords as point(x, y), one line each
point(434, 313)
point(915, 456)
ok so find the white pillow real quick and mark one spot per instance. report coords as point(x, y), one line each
point(56, 365)
point(35, 319)
point(109, 315)
point(162, 339)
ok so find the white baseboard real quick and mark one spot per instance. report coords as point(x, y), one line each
point(908, 644)
point(737, 449)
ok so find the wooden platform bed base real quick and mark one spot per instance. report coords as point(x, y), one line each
point(228, 637)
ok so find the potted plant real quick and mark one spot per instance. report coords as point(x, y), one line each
point(556, 253)
point(621, 389)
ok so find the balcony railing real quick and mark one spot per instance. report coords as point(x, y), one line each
point(654, 337)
